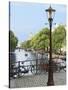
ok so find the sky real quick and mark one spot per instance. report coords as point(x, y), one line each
point(27, 19)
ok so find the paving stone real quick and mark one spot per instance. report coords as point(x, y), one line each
point(38, 80)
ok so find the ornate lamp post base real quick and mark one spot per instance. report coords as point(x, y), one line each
point(50, 83)
point(50, 77)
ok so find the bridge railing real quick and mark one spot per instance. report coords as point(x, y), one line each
point(37, 66)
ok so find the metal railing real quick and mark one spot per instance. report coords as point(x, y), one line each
point(31, 66)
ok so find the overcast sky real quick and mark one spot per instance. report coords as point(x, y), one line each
point(30, 18)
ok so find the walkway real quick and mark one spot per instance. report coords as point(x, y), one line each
point(38, 80)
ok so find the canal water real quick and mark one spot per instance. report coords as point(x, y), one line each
point(28, 57)
point(22, 55)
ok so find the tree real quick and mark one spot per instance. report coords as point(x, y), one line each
point(59, 38)
point(41, 39)
point(12, 41)
point(26, 44)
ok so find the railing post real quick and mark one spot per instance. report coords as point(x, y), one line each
point(18, 68)
point(36, 65)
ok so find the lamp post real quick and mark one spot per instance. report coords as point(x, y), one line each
point(50, 12)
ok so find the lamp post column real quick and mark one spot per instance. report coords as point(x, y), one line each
point(50, 72)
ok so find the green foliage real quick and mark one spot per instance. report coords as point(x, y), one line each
point(41, 39)
point(13, 41)
point(26, 44)
point(59, 37)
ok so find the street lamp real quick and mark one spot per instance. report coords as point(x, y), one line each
point(50, 13)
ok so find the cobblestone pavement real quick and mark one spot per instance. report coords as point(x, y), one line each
point(38, 80)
